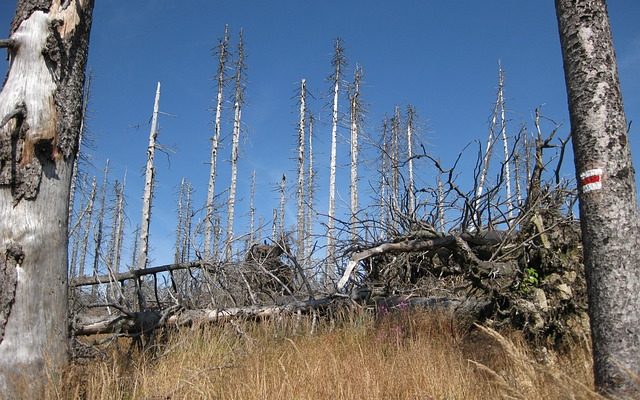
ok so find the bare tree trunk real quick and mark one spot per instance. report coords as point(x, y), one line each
point(310, 189)
point(505, 144)
point(395, 156)
point(410, 129)
point(177, 257)
point(338, 63)
point(440, 205)
point(40, 108)
point(252, 210)
point(239, 99)
point(486, 161)
point(356, 116)
point(188, 219)
point(608, 200)
point(119, 222)
point(385, 171)
point(83, 126)
point(301, 146)
point(283, 201)
point(87, 228)
point(149, 178)
point(215, 142)
point(97, 236)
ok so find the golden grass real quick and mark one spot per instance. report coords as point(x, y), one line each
point(401, 356)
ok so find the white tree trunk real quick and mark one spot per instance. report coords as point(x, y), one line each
point(310, 189)
point(301, 180)
point(234, 148)
point(215, 142)
point(355, 127)
point(252, 210)
point(338, 62)
point(410, 129)
point(505, 145)
point(87, 227)
point(40, 108)
point(97, 235)
point(283, 201)
point(149, 177)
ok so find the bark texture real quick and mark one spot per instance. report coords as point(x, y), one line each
point(608, 215)
point(40, 115)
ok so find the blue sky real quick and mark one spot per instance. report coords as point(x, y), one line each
point(440, 56)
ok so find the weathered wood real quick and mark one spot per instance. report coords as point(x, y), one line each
point(127, 322)
point(97, 280)
point(40, 110)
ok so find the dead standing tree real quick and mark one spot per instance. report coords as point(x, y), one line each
point(338, 63)
point(223, 52)
point(608, 200)
point(237, 116)
point(40, 116)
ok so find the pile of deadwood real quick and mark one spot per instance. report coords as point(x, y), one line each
point(529, 277)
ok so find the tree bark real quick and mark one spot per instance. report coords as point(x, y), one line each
point(235, 144)
point(215, 141)
point(149, 176)
point(40, 114)
point(300, 192)
point(338, 63)
point(608, 203)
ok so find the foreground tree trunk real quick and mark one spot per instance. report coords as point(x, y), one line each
point(608, 203)
point(40, 115)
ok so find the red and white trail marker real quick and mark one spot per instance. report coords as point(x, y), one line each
point(591, 180)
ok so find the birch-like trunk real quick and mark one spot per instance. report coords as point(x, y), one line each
point(283, 204)
point(97, 235)
point(177, 257)
point(40, 108)
point(119, 228)
point(355, 113)
point(300, 190)
point(505, 144)
point(607, 188)
point(83, 127)
point(395, 158)
point(215, 142)
point(87, 227)
point(252, 210)
point(149, 177)
point(338, 63)
point(310, 189)
point(385, 171)
point(237, 116)
point(410, 130)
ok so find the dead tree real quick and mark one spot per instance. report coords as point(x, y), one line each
point(411, 114)
point(356, 122)
point(149, 177)
point(99, 230)
point(40, 115)
point(223, 51)
point(310, 188)
point(608, 200)
point(338, 63)
point(237, 116)
point(252, 209)
point(87, 227)
point(283, 204)
point(301, 173)
point(83, 127)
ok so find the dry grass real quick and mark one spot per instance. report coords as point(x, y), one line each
point(402, 356)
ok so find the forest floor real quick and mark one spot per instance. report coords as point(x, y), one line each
point(405, 354)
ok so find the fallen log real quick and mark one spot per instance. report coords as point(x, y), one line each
point(129, 322)
point(134, 274)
